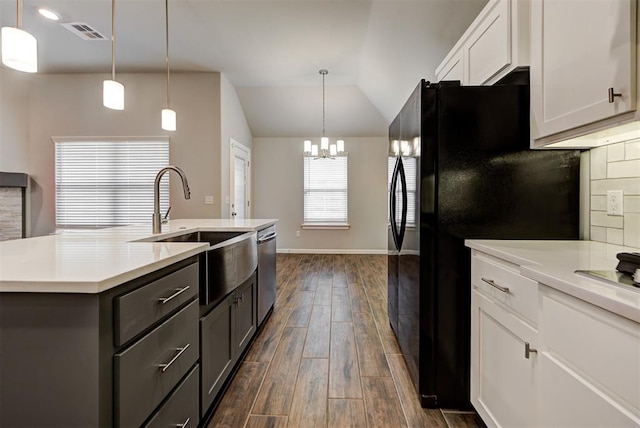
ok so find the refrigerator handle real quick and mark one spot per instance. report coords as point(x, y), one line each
point(403, 221)
point(392, 204)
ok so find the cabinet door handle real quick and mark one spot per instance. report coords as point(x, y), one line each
point(613, 95)
point(494, 285)
point(178, 292)
point(528, 350)
point(184, 424)
point(164, 367)
point(239, 300)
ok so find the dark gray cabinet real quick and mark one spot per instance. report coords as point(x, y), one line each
point(217, 350)
point(180, 409)
point(225, 332)
point(88, 360)
point(149, 369)
point(245, 314)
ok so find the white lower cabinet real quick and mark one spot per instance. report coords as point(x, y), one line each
point(503, 381)
point(589, 364)
point(583, 364)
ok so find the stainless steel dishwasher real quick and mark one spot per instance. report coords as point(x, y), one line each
point(266, 271)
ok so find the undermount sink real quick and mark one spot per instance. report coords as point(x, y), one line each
point(231, 258)
point(213, 238)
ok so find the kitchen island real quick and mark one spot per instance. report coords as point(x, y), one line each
point(104, 327)
point(551, 347)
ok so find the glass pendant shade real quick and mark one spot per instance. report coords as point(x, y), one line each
point(19, 50)
point(168, 119)
point(324, 143)
point(332, 150)
point(113, 95)
point(340, 146)
point(307, 146)
point(314, 150)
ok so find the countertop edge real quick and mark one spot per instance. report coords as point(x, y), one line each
point(104, 279)
point(568, 282)
point(96, 287)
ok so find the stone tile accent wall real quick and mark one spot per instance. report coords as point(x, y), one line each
point(10, 213)
point(616, 167)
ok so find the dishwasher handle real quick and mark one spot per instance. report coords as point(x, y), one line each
point(268, 237)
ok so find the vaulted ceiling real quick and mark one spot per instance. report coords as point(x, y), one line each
point(271, 51)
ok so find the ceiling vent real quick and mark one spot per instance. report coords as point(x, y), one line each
point(83, 30)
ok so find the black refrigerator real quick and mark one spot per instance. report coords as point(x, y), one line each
point(460, 168)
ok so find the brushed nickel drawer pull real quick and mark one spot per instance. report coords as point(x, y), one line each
point(528, 350)
point(164, 367)
point(494, 285)
point(178, 292)
point(613, 95)
point(184, 424)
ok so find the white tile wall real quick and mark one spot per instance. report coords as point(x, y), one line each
point(615, 167)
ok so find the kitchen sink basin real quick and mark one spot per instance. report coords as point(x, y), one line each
point(213, 238)
point(231, 258)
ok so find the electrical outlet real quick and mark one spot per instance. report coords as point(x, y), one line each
point(615, 200)
point(208, 200)
point(297, 233)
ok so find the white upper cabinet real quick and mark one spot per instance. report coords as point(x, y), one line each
point(581, 53)
point(452, 69)
point(496, 43)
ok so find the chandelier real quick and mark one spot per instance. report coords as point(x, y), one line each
point(326, 151)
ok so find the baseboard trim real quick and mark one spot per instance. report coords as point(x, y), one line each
point(327, 251)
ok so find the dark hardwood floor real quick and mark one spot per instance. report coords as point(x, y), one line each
point(327, 356)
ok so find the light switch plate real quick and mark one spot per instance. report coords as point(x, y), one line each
point(208, 200)
point(615, 199)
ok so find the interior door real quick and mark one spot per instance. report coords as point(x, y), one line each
point(239, 181)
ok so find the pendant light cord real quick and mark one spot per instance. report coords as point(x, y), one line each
point(166, 21)
point(113, 40)
point(19, 18)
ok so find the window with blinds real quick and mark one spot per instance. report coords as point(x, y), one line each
point(325, 191)
point(410, 172)
point(108, 182)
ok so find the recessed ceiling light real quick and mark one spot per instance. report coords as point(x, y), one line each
point(49, 14)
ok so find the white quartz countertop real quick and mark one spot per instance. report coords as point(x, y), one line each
point(92, 261)
point(554, 263)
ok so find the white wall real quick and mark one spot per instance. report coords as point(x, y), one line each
point(234, 125)
point(14, 117)
point(71, 105)
point(278, 193)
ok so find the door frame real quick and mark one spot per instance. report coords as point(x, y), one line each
point(235, 147)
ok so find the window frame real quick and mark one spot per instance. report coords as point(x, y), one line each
point(325, 223)
point(164, 186)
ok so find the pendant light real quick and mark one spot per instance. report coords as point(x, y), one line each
point(168, 115)
point(327, 151)
point(19, 48)
point(112, 91)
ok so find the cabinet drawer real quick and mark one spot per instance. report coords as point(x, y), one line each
point(181, 407)
point(602, 348)
point(507, 287)
point(150, 368)
point(139, 309)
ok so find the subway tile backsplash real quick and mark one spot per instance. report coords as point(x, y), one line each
point(615, 167)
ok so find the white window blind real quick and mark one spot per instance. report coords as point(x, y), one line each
point(108, 182)
point(410, 172)
point(325, 191)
